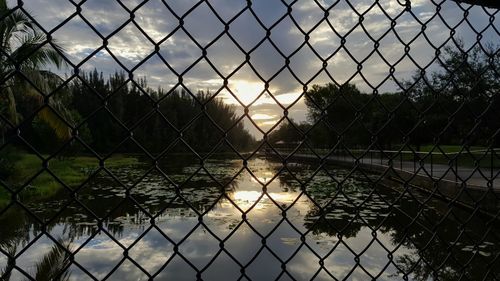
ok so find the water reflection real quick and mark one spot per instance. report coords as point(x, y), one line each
point(351, 230)
point(51, 267)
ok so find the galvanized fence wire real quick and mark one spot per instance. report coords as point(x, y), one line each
point(283, 157)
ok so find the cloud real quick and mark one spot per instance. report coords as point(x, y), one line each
point(284, 60)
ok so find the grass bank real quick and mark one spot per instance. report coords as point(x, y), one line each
point(476, 156)
point(449, 148)
point(70, 170)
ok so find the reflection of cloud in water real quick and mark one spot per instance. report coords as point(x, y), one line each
point(242, 239)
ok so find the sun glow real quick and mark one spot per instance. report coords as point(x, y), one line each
point(245, 91)
point(288, 98)
point(245, 198)
point(263, 116)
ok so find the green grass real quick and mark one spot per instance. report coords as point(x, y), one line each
point(71, 170)
point(479, 156)
point(448, 148)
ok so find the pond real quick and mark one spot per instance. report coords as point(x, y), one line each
point(219, 221)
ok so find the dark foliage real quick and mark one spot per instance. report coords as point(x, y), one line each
point(118, 115)
point(458, 104)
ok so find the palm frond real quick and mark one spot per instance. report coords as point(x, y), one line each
point(54, 265)
point(33, 49)
point(6, 272)
point(61, 129)
point(16, 19)
point(15, 22)
point(44, 82)
point(23, 45)
point(34, 52)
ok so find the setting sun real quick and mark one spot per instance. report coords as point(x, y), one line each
point(245, 91)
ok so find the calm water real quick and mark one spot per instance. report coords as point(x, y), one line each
point(357, 221)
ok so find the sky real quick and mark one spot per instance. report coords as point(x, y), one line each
point(319, 62)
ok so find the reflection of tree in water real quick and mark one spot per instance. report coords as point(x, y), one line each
point(156, 195)
point(10, 248)
point(340, 218)
point(15, 226)
point(53, 266)
point(106, 200)
point(421, 271)
point(431, 236)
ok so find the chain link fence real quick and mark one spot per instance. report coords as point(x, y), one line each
point(390, 172)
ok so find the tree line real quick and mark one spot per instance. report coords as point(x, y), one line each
point(40, 109)
point(456, 104)
point(118, 114)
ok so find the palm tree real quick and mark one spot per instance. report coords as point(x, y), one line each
point(6, 272)
point(24, 48)
point(53, 266)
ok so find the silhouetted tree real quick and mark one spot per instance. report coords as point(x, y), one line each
point(25, 48)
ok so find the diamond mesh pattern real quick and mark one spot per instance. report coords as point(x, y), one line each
point(418, 179)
